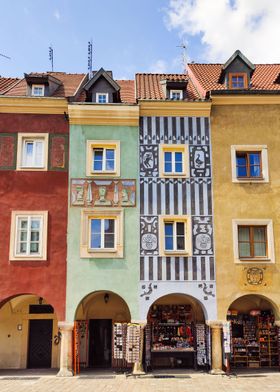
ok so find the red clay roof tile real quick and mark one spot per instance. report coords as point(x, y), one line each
point(7, 83)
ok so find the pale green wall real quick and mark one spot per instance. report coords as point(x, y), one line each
point(120, 276)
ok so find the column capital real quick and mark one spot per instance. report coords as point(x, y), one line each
point(142, 323)
point(65, 325)
point(215, 323)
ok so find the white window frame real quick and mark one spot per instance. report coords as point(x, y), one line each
point(102, 94)
point(184, 149)
point(28, 215)
point(270, 258)
point(102, 248)
point(176, 92)
point(98, 213)
point(25, 137)
point(264, 163)
point(186, 219)
point(103, 144)
point(34, 86)
point(104, 170)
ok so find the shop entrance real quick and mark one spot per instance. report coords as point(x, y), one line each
point(254, 336)
point(100, 343)
point(176, 334)
point(99, 317)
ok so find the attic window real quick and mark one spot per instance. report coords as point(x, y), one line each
point(238, 80)
point(38, 90)
point(102, 98)
point(176, 95)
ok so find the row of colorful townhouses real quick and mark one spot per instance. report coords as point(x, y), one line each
point(140, 219)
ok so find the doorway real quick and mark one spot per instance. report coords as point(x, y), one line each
point(40, 344)
point(100, 343)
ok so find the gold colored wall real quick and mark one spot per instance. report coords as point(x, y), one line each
point(14, 343)
point(244, 125)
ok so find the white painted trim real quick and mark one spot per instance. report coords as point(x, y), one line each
point(38, 85)
point(22, 137)
point(264, 158)
point(100, 94)
point(270, 241)
point(113, 144)
point(176, 91)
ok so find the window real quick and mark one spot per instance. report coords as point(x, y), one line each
point(38, 90)
point(253, 240)
point(175, 235)
point(102, 233)
point(32, 151)
point(176, 95)
point(249, 163)
point(28, 235)
point(102, 98)
point(237, 80)
point(103, 158)
point(173, 160)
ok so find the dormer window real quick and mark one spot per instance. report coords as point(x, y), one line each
point(38, 90)
point(176, 95)
point(237, 80)
point(102, 98)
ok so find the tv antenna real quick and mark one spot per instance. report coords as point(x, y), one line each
point(90, 58)
point(51, 55)
point(6, 57)
point(184, 60)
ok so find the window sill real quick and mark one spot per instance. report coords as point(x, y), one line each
point(250, 180)
point(173, 175)
point(102, 251)
point(254, 260)
point(28, 258)
point(176, 253)
point(31, 168)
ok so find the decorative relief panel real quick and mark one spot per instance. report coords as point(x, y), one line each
point(58, 152)
point(202, 235)
point(149, 235)
point(149, 160)
point(8, 143)
point(103, 193)
point(200, 161)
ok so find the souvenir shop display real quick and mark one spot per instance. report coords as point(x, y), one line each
point(133, 343)
point(254, 339)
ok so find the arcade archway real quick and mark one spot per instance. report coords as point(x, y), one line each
point(254, 333)
point(28, 333)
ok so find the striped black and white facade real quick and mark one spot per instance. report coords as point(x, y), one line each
point(192, 196)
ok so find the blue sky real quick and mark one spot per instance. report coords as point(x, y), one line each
point(134, 35)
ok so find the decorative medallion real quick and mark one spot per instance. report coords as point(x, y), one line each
point(149, 235)
point(149, 160)
point(255, 276)
point(202, 235)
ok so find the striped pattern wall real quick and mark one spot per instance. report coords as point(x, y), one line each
point(177, 268)
point(191, 130)
point(160, 196)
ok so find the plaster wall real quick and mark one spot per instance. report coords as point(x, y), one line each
point(29, 190)
point(244, 125)
point(119, 276)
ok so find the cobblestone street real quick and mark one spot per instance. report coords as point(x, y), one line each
point(194, 382)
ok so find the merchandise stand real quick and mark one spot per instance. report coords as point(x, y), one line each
point(254, 340)
point(173, 339)
point(80, 339)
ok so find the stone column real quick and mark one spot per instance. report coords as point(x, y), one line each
point(66, 354)
point(216, 347)
point(138, 366)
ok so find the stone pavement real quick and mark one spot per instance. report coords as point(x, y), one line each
point(89, 382)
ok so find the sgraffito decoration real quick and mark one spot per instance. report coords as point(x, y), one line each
point(255, 276)
point(8, 143)
point(200, 161)
point(149, 235)
point(103, 193)
point(149, 161)
point(202, 235)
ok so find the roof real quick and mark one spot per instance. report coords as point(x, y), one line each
point(7, 83)
point(207, 76)
point(68, 88)
point(106, 75)
point(239, 54)
point(148, 86)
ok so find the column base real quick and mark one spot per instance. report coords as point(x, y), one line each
point(217, 372)
point(138, 369)
point(64, 373)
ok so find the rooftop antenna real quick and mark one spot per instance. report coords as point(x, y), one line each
point(184, 60)
point(7, 57)
point(90, 58)
point(51, 55)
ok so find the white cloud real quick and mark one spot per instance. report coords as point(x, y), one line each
point(56, 14)
point(160, 66)
point(226, 25)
